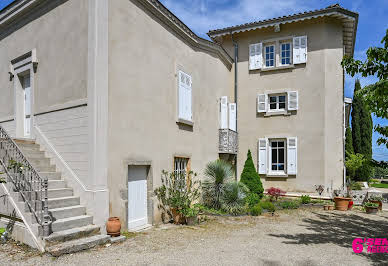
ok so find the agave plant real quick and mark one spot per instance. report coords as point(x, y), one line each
point(233, 198)
point(217, 174)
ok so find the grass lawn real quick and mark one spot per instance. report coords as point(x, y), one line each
point(379, 185)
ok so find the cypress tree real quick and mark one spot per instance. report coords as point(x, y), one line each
point(362, 128)
point(348, 142)
point(250, 177)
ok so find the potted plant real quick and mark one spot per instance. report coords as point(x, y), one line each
point(378, 200)
point(191, 215)
point(371, 207)
point(341, 203)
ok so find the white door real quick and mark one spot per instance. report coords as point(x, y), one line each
point(27, 106)
point(137, 196)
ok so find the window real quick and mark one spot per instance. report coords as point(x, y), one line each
point(185, 97)
point(277, 102)
point(285, 50)
point(277, 151)
point(270, 56)
point(181, 165)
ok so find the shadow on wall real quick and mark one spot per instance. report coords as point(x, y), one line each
point(341, 230)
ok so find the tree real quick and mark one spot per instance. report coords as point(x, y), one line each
point(348, 142)
point(250, 177)
point(381, 172)
point(354, 163)
point(375, 95)
point(362, 129)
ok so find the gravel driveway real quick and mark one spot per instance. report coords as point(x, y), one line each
point(299, 237)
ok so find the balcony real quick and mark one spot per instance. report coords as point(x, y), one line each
point(228, 141)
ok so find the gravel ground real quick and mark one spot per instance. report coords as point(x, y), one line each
point(298, 237)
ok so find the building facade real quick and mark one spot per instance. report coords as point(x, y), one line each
point(114, 92)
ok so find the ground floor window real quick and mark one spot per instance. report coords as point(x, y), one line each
point(277, 150)
point(181, 165)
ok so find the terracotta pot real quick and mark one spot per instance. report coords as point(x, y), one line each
point(113, 226)
point(192, 220)
point(378, 202)
point(371, 210)
point(177, 217)
point(341, 203)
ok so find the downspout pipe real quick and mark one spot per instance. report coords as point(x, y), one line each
point(235, 44)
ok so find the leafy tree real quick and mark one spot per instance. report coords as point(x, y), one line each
point(381, 172)
point(354, 163)
point(375, 95)
point(349, 142)
point(250, 177)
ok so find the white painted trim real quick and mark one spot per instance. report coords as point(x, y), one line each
point(38, 243)
point(42, 140)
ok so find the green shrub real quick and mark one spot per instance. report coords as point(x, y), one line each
point(252, 199)
point(305, 199)
point(233, 199)
point(267, 205)
point(255, 210)
point(355, 186)
point(250, 177)
point(289, 204)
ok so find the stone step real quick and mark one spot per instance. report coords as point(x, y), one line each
point(51, 193)
point(53, 184)
point(50, 168)
point(51, 175)
point(45, 162)
point(71, 222)
point(34, 154)
point(24, 141)
point(66, 212)
point(28, 147)
point(71, 234)
point(63, 202)
point(77, 245)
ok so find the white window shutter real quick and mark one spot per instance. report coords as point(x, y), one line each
point(292, 97)
point(262, 103)
point(292, 156)
point(262, 156)
point(303, 49)
point(181, 95)
point(189, 97)
point(296, 50)
point(224, 112)
point(255, 56)
point(232, 116)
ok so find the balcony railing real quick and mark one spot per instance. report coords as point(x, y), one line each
point(228, 141)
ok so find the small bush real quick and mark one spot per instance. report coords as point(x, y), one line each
point(252, 200)
point(305, 199)
point(289, 204)
point(275, 193)
point(233, 199)
point(250, 177)
point(267, 205)
point(355, 186)
point(255, 210)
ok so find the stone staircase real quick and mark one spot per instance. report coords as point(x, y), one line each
point(72, 229)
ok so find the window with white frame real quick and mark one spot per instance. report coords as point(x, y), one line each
point(277, 102)
point(285, 53)
point(277, 155)
point(269, 53)
point(184, 96)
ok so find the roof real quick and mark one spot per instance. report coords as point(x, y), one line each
point(349, 20)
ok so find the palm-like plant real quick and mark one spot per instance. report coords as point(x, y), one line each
point(233, 199)
point(218, 173)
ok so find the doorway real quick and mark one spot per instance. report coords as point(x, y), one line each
point(137, 196)
point(26, 85)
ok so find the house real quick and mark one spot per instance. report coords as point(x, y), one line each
point(101, 96)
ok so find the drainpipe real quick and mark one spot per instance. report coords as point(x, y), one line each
point(235, 44)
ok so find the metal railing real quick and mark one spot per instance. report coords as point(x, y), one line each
point(228, 141)
point(26, 180)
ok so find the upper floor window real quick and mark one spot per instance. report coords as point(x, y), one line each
point(269, 56)
point(285, 53)
point(277, 102)
point(184, 96)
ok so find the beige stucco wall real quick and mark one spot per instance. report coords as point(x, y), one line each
point(318, 124)
point(60, 38)
point(144, 57)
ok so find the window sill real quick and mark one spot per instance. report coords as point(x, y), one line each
point(185, 122)
point(265, 69)
point(277, 175)
point(285, 113)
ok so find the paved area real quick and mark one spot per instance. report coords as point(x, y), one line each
point(301, 237)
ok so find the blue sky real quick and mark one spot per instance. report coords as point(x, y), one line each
point(203, 15)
